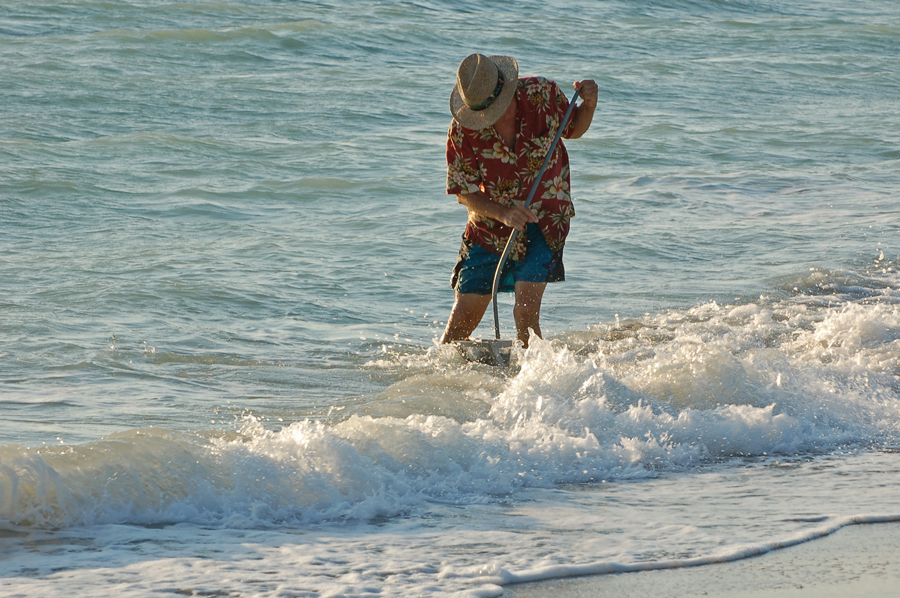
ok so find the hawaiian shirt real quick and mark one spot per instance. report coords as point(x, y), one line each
point(481, 161)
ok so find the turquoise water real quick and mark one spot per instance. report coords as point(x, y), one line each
point(225, 252)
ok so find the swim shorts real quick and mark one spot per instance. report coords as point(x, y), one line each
point(475, 267)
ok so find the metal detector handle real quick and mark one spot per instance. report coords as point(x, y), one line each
point(512, 236)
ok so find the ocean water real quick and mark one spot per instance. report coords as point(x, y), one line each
point(225, 251)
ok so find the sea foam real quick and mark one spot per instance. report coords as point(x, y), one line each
point(787, 375)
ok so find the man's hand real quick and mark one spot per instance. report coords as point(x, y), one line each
point(589, 91)
point(518, 217)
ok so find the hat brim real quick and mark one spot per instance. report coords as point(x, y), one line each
point(480, 119)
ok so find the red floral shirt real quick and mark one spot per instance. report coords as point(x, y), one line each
point(481, 161)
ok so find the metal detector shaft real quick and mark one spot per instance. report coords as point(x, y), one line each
point(512, 236)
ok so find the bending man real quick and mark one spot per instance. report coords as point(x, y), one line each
point(502, 127)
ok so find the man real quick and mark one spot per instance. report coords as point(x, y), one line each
point(501, 131)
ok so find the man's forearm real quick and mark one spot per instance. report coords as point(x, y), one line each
point(481, 204)
point(584, 115)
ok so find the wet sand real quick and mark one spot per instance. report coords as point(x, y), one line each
point(857, 560)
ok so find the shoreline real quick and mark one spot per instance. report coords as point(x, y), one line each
point(856, 560)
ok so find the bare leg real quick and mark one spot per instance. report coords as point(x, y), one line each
point(465, 316)
point(528, 309)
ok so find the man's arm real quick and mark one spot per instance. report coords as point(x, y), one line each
point(584, 113)
point(514, 216)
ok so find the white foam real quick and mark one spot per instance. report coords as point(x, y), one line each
point(662, 393)
point(732, 553)
point(791, 378)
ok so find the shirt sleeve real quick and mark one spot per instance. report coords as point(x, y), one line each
point(463, 171)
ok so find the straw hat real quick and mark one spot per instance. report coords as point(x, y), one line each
point(485, 85)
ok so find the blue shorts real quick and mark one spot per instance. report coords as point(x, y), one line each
point(475, 268)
